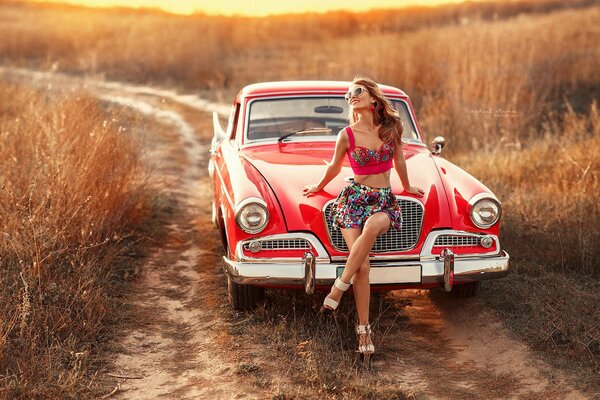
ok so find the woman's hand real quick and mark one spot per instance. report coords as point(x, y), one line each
point(415, 190)
point(310, 189)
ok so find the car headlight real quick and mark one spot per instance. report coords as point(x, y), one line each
point(485, 210)
point(251, 215)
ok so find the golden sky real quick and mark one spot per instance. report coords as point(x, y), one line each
point(256, 7)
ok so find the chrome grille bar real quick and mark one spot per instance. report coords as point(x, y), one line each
point(457, 241)
point(282, 244)
point(392, 240)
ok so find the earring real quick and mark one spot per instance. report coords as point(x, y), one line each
point(372, 108)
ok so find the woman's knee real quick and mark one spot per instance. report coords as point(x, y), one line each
point(377, 225)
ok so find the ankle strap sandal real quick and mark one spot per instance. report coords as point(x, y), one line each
point(331, 304)
point(365, 330)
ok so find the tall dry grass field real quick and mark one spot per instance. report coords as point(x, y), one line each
point(550, 189)
point(551, 193)
point(513, 86)
point(518, 61)
point(72, 195)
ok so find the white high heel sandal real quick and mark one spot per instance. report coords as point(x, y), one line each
point(365, 350)
point(329, 304)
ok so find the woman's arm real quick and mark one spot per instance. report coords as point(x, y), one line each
point(335, 165)
point(400, 167)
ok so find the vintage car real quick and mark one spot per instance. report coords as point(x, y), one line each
point(279, 138)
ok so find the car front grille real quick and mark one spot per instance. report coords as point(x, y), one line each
point(456, 241)
point(392, 240)
point(282, 244)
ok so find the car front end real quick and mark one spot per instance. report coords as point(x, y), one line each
point(276, 237)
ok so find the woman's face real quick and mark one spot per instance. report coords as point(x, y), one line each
point(358, 97)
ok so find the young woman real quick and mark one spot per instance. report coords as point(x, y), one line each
point(366, 208)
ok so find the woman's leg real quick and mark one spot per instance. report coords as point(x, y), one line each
point(360, 282)
point(350, 235)
point(377, 224)
point(361, 287)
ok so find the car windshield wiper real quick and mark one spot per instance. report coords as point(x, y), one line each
point(305, 130)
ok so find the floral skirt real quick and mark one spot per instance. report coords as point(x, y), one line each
point(357, 202)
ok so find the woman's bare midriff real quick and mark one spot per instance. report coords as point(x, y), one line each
point(381, 180)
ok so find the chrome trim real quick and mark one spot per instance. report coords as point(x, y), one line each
point(250, 246)
point(322, 255)
point(437, 144)
point(293, 274)
point(277, 245)
point(447, 256)
point(462, 256)
point(414, 257)
point(398, 197)
point(427, 250)
point(324, 216)
point(249, 200)
point(284, 95)
point(309, 273)
point(459, 241)
point(483, 196)
point(239, 206)
point(488, 245)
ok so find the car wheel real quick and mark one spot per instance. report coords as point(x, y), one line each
point(467, 290)
point(244, 297)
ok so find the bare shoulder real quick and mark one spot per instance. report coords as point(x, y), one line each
point(343, 136)
point(343, 141)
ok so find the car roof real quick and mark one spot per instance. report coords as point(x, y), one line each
point(295, 87)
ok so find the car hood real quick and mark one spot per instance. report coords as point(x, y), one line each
point(288, 167)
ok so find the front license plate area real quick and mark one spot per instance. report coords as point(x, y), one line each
point(386, 275)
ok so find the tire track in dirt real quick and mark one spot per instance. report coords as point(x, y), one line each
point(459, 349)
point(177, 351)
point(175, 344)
point(185, 342)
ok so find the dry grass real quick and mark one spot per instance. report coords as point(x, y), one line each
point(551, 204)
point(513, 94)
point(313, 357)
point(550, 191)
point(516, 61)
point(72, 195)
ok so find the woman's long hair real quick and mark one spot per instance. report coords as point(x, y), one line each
point(384, 114)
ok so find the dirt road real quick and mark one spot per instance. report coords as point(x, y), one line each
point(185, 342)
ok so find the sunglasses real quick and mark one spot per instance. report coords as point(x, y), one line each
point(355, 93)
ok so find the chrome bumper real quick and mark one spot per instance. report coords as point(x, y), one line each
point(311, 272)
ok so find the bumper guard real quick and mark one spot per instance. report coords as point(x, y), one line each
point(446, 270)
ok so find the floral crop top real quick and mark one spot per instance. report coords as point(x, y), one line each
point(365, 161)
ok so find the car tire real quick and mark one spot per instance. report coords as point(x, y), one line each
point(467, 290)
point(244, 297)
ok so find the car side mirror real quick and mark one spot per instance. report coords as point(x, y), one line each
point(437, 144)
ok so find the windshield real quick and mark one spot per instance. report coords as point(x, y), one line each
point(273, 118)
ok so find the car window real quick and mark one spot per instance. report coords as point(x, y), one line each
point(273, 118)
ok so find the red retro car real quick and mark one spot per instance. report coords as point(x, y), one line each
point(279, 138)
